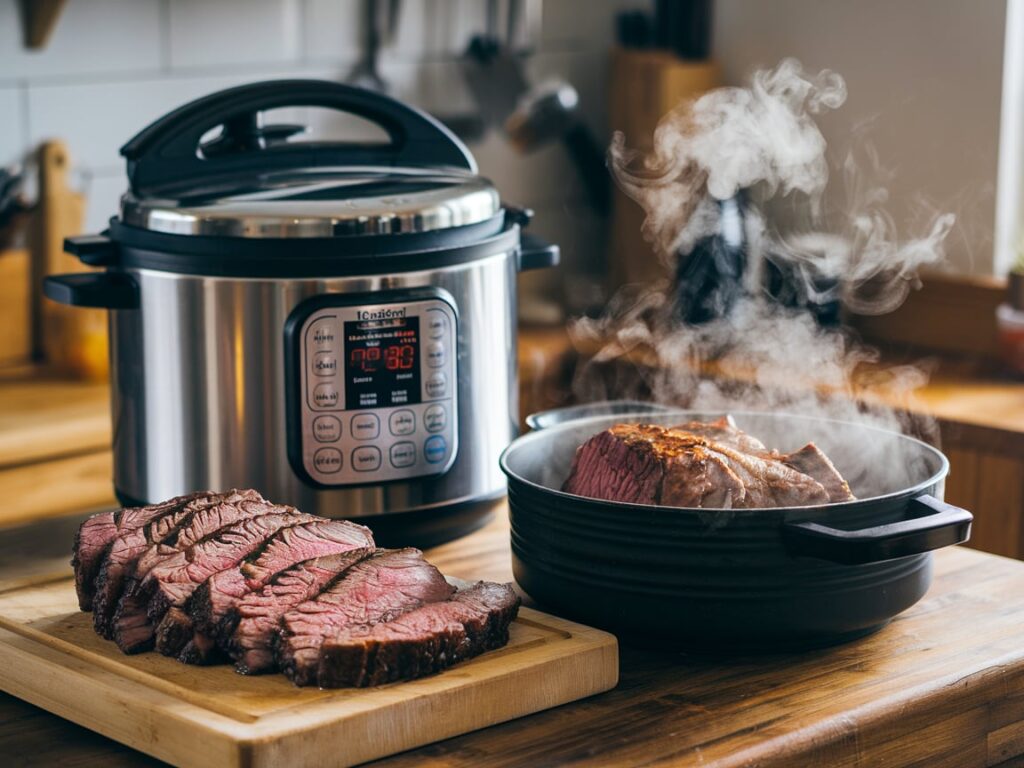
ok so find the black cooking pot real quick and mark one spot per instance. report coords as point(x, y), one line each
point(731, 580)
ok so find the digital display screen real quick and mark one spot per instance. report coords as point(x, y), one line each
point(382, 362)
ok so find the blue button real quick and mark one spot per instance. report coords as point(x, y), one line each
point(434, 449)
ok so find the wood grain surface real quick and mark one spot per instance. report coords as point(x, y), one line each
point(951, 313)
point(200, 716)
point(33, 490)
point(15, 306)
point(943, 685)
point(43, 418)
point(644, 86)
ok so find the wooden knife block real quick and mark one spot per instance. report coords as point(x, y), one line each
point(15, 307)
point(71, 340)
point(645, 86)
point(68, 340)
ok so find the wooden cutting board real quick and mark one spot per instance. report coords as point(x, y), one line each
point(202, 716)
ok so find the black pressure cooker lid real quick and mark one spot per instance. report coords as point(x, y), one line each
point(211, 168)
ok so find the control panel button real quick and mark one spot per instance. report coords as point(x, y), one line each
point(366, 458)
point(325, 396)
point(403, 454)
point(434, 449)
point(402, 422)
point(435, 418)
point(325, 364)
point(437, 385)
point(326, 429)
point(437, 324)
point(435, 354)
point(322, 335)
point(365, 426)
point(327, 461)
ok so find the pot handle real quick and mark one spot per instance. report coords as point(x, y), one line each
point(94, 250)
point(556, 416)
point(103, 290)
point(537, 253)
point(930, 524)
point(171, 151)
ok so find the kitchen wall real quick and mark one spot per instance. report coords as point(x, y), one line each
point(111, 66)
point(924, 78)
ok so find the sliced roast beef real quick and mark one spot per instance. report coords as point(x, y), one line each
point(648, 464)
point(212, 605)
point(420, 642)
point(174, 580)
point(132, 627)
point(206, 521)
point(765, 480)
point(96, 535)
point(809, 460)
point(380, 588)
point(258, 615)
point(812, 462)
point(210, 576)
point(724, 431)
point(120, 563)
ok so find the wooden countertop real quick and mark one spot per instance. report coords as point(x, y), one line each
point(973, 393)
point(943, 685)
point(55, 457)
point(42, 417)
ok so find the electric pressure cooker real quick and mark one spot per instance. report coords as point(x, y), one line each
point(331, 323)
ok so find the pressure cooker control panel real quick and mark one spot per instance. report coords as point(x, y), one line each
point(377, 388)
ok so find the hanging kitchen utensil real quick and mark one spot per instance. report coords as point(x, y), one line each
point(550, 112)
point(366, 74)
point(709, 277)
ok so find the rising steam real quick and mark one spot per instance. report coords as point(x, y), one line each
point(838, 244)
point(764, 139)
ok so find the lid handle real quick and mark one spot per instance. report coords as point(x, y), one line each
point(167, 153)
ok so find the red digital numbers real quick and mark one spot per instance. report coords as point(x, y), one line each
point(366, 359)
point(399, 357)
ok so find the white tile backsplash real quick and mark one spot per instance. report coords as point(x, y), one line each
point(590, 25)
point(438, 27)
point(112, 66)
point(541, 178)
point(207, 34)
point(12, 140)
point(332, 29)
point(436, 85)
point(92, 37)
point(97, 119)
point(102, 198)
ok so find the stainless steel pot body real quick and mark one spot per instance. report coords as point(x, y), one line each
point(199, 387)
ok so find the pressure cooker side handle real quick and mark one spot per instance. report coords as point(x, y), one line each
point(103, 290)
point(537, 253)
point(169, 151)
point(930, 524)
point(94, 250)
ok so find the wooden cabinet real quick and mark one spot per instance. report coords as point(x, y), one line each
point(990, 483)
